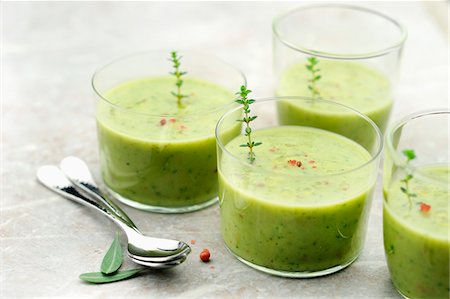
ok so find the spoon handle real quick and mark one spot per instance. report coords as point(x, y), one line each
point(79, 174)
point(54, 179)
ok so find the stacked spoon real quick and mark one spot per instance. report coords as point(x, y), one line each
point(74, 181)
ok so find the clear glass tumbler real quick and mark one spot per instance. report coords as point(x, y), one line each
point(416, 218)
point(357, 52)
point(300, 208)
point(155, 153)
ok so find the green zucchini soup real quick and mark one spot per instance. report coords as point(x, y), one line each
point(352, 57)
point(416, 233)
point(416, 206)
point(300, 209)
point(157, 153)
point(349, 83)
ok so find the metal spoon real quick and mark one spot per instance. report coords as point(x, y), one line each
point(148, 251)
point(77, 171)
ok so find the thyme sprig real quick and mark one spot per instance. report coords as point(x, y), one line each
point(410, 155)
point(178, 74)
point(245, 101)
point(315, 76)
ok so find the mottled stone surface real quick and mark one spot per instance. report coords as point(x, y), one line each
point(49, 52)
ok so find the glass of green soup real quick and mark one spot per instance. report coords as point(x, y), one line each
point(355, 51)
point(300, 208)
point(416, 204)
point(155, 153)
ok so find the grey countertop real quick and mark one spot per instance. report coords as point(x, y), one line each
point(49, 52)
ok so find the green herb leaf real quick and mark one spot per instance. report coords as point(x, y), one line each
point(98, 277)
point(315, 76)
point(178, 74)
point(113, 258)
point(243, 93)
point(312, 60)
point(409, 154)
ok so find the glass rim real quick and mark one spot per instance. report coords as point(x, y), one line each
point(397, 158)
point(372, 159)
point(398, 44)
point(155, 51)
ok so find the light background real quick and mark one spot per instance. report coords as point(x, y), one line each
point(49, 52)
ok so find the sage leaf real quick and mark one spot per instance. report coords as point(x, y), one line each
point(113, 258)
point(99, 277)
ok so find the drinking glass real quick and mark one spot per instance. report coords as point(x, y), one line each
point(416, 204)
point(300, 208)
point(155, 155)
point(357, 50)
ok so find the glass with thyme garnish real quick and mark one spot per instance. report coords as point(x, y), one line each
point(416, 205)
point(351, 56)
point(300, 207)
point(156, 116)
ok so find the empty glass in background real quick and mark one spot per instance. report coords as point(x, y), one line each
point(358, 50)
point(416, 219)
